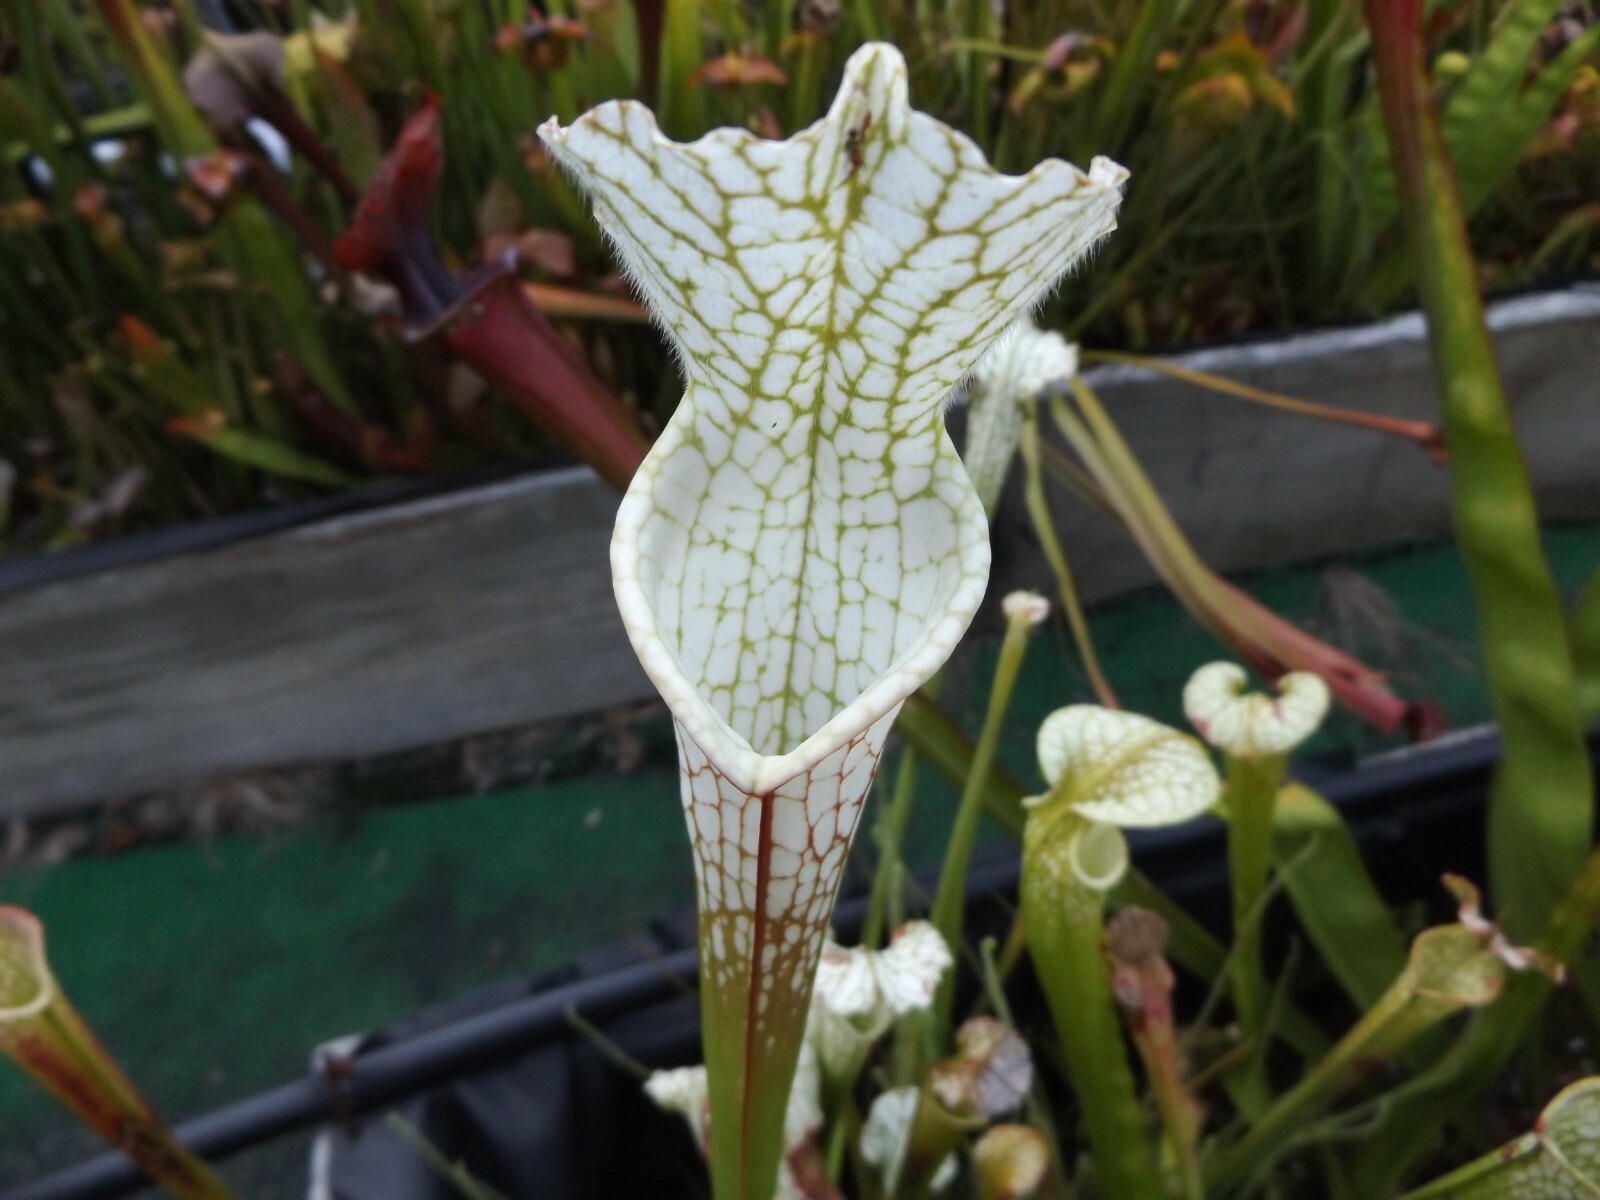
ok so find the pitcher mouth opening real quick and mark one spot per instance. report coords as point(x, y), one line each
point(731, 748)
point(26, 985)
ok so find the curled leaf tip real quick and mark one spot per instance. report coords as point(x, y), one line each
point(1254, 725)
point(1124, 769)
point(685, 1092)
point(990, 1073)
point(1023, 362)
point(1519, 958)
point(1452, 967)
point(896, 980)
point(1025, 608)
point(682, 1092)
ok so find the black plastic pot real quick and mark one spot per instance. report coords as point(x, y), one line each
point(504, 1081)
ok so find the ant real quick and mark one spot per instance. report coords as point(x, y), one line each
point(853, 142)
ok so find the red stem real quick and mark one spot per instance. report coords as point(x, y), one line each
point(1397, 51)
point(509, 342)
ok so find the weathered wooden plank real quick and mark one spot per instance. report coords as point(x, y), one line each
point(350, 637)
point(481, 609)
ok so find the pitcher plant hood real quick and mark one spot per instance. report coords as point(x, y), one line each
point(802, 548)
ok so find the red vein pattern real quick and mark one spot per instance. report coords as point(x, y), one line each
point(767, 869)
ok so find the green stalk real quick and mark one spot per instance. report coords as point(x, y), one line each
point(1131, 68)
point(871, 17)
point(890, 836)
point(747, 1082)
point(1541, 801)
point(1091, 435)
point(1044, 525)
point(948, 900)
point(978, 24)
point(182, 128)
point(939, 741)
point(844, 1132)
point(1585, 627)
point(680, 108)
point(1065, 920)
point(417, 19)
point(806, 79)
point(1344, 915)
point(1450, 968)
point(1323, 100)
point(1250, 794)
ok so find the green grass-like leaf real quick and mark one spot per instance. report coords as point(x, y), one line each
point(1334, 897)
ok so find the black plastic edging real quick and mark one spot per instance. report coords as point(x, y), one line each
point(401, 1069)
point(382, 1076)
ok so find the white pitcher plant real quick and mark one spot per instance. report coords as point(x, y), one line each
point(802, 548)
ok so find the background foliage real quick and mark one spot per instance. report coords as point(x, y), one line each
point(179, 339)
